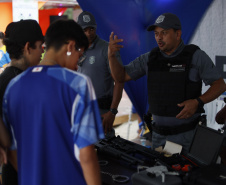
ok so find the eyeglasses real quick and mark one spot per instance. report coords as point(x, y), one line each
point(78, 49)
point(81, 60)
point(82, 57)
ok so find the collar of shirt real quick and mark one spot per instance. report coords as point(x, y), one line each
point(176, 52)
point(94, 42)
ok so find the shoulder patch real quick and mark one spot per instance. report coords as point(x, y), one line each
point(37, 69)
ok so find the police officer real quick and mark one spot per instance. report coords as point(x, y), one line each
point(95, 64)
point(175, 74)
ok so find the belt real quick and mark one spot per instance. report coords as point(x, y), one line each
point(173, 130)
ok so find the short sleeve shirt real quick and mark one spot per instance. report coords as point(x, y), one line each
point(96, 66)
point(202, 69)
point(8, 74)
point(51, 113)
point(202, 66)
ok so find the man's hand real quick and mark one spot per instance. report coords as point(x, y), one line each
point(221, 116)
point(3, 156)
point(113, 44)
point(190, 107)
point(108, 120)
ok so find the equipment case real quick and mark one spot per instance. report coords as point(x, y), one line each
point(143, 178)
point(202, 157)
point(205, 146)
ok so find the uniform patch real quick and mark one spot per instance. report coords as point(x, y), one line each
point(92, 59)
point(177, 68)
point(37, 69)
point(160, 19)
point(86, 18)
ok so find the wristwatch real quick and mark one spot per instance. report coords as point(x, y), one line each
point(114, 111)
point(200, 102)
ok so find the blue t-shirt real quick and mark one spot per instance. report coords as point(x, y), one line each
point(5, 59)
point(52, 112)
point(1, 54)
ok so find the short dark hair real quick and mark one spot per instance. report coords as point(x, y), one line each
point(17, 34)
point(61, 31)
point(9, 28)
point(15, 50)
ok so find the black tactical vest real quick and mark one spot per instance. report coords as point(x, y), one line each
point(168, 82)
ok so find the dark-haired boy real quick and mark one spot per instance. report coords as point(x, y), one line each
point(55, 122)
point(24, 45)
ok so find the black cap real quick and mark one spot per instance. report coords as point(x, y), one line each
point(166, 21)
point(26, 31)
point(86, 19)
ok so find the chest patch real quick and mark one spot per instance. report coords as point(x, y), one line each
point(92, 59)
point(177, 68)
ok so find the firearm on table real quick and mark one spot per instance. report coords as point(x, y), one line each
point(131, 152)
point(104, 147)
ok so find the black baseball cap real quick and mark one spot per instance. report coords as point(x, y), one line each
point(26, 31)
point(166, 21)
point(86, 19)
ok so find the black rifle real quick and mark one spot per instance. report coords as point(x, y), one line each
point(128, 151)
point(104, 147)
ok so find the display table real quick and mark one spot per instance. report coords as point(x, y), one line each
point(110, 166)
point(120, 160)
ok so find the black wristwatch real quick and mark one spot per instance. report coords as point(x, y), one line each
point(200, 102)
point(114, 111)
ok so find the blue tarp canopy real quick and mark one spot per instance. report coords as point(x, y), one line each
point(129, 20)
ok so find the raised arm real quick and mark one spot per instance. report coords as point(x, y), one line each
point(118, 72)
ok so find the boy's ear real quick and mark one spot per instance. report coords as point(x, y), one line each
point(71, 45)
point(179, 33)
point(27, 47)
